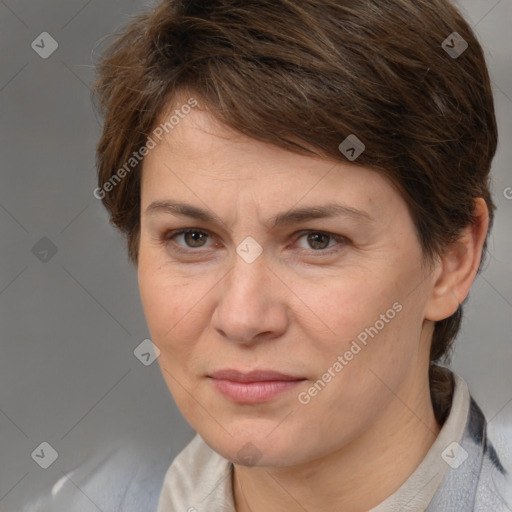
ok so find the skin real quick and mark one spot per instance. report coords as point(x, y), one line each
point(295, 311)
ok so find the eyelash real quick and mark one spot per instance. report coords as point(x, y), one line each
point(171, 235)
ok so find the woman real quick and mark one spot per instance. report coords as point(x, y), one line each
point(304, 187)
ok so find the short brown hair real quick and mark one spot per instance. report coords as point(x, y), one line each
point(282, 71)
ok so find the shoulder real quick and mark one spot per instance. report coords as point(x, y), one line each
point(478, 455)
point(122, 477)
point(493, 470)
point(495, 485)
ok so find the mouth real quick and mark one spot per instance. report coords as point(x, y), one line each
point(253, 387)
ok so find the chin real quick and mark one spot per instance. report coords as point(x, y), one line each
point(251, 445)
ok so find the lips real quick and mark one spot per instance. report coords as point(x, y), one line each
point(254, 386)
point(253, 376)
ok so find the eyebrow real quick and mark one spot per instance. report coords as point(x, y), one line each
point(297, 215)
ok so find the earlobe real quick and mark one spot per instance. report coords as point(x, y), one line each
point(459, 265)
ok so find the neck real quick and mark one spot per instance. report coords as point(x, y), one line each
point(357, 477)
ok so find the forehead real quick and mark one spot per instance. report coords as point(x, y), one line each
point(204, 158)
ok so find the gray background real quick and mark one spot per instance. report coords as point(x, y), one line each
point(69, 326)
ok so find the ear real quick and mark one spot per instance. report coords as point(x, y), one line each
point(458, 266)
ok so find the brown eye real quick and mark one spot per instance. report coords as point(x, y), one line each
point(320, 242)
point(193, 238)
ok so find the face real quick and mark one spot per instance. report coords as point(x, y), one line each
point(335, 303)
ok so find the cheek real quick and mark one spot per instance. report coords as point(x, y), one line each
point(374, 327)
point(351, 306)
point(169, 302)
point(355, 379)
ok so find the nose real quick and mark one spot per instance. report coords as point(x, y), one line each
point(252, 304)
